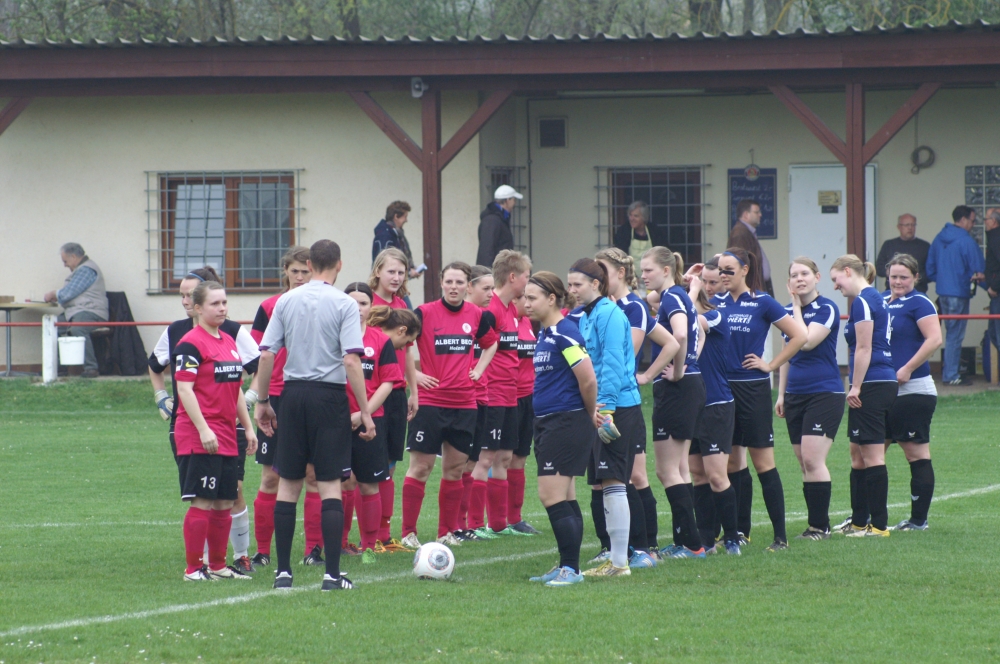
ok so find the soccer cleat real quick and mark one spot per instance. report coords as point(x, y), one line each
point(449, 540)
point(486, 533)
point(510, 530)
point(368, 557)
point(336, 583)
point(228, 573)
point(410, 542)
point(607, 568)
point(548, 576)
point(261, 560)
point(315, 556)
point(654, 553)
point(869, 531)
point(641, 560)
point(906, 524)
point(732, 547)
point(350, 550)
point(669, 550)
point(393, 546)
point(467, 536)
point(841, 526)
point(601, 557)
point(777, 545)
point(525, 528)
point(566, 577)
point(282, 581)
point(684, 552)
point(244, 565)
point(744, 539)
point(712, 550)
point(850, 529)
point(814, 534)
point(200, 574)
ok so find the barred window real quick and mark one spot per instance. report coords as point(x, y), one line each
point(239, 223)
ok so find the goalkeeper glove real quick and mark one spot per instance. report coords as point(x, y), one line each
point(251, 396)
point(165, 403)
point(608, 430)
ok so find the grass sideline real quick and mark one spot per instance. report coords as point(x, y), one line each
point(91, 558)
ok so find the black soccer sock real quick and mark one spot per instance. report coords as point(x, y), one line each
point(333, 530)
point(774, 501)
point(637, 519)
point(725, 508)
point(649, 509)
point(818, 503)
point(921, 490)
point(877, 480)
point(576, 509)
point(567, 533)
point(744, 498)
point(675, 519)
point(859, 497)
point(284, 533)
point(578, 529)
point(682, 507)
point(704, 513)
point(600, 522)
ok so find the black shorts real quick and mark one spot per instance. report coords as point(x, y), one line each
point(676, 407)
point(396, 409)
point(754, 423)
point(369, 458)
point(433, 426)
point(501, 428)
point(714, 432)
point(241, 452)
point(315, 427)
point(614, 460)
point(525, 425)
point(267, 445)
point(207, 476)
point(479, 438)
point(564, 442)
point(909, 419)
point(866, 425)
point(818, 414)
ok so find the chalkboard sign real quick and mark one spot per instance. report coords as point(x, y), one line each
point(760, 184)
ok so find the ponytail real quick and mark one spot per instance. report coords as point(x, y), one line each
point(388, 318)
point(754, 273)
point(621, 261)
point(595, 270)
point(855, 264)
point(666, 258)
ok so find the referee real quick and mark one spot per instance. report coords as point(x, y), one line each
point(320, 328)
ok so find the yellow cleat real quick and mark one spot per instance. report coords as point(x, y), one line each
point(869, 531)
point(393, 546)
point(607, 568)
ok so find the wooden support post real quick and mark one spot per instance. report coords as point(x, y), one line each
point(431, 141)
point(856, 169)
point(13, 109)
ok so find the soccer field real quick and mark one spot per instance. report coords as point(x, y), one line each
point(91, 560)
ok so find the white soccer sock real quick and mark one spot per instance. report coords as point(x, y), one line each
point(617, 515)
point(205, 557)
point(239, 534)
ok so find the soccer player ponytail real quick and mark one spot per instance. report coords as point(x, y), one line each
point(595, 271)
point(620, 261)
point(388, 318)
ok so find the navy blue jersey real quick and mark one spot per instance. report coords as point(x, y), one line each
point(713, 360)
point(816, 370)
point(749, 317)
point(869, 306)
point(675, 300)
point(558, 350)
point(907, 338)
point(637, 312)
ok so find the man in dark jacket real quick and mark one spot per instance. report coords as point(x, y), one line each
point(637, 236)
point(494, 225)
point(953, 263)
point(992, 224)
point(744, 235)
point(906, 243)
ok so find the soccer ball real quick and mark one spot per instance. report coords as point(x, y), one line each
point(433, 561)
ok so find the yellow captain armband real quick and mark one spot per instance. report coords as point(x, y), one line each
point(574, 355)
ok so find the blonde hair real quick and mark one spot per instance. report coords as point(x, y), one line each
point(803, 260)
point(392, 253)
point(621, 261)
point(666, 258)
point(907, 261)
point(509, 262)
point(856, 265)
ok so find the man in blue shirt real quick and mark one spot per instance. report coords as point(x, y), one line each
point(954, 262)
point(389, 233)
point(83, 299)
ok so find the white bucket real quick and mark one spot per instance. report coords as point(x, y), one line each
point(72, 350)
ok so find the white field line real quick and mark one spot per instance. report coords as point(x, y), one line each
point(240, 599)
point(790, 516)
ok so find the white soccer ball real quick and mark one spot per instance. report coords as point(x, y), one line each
point(433, 561)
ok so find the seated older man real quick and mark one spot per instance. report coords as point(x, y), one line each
point(83, 299)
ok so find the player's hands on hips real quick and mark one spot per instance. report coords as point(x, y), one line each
point(412, 407)
point(426, 382)
point(779, 407)
point(209, 441)
point(251, 441)
point(752, 361)
point(264, 416)
point(369, 424)
point(854, 397)
point(475, 376)
point(355, 421)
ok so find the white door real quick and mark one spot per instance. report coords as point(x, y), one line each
point(820, 231)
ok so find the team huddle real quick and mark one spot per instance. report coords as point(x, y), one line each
point(510, 360)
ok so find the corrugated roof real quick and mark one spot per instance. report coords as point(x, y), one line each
point(950, 27)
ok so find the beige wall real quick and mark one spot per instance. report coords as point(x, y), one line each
point(74, 170)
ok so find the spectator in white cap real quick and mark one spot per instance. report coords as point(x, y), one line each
point(494, 225)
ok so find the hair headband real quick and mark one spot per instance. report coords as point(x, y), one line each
point(192, 275)
point(488, 274)
point(586, 274)
point(738, 259)
point(536, 282)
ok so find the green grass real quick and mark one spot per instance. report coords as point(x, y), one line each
point(91, 529)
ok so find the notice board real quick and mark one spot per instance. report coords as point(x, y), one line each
point(760, 184)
